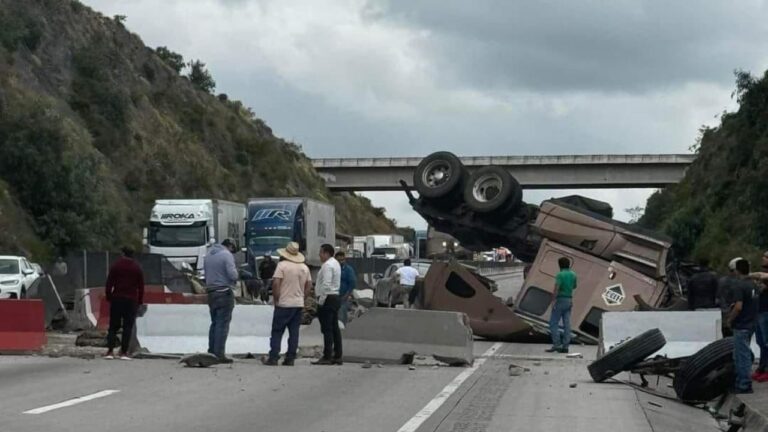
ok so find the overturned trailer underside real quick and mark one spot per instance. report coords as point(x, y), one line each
point(620, 267)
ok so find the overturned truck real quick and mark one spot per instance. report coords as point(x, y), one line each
point(620, 267)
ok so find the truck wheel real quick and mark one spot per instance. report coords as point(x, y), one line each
point(626, 355)
point(439, 175)
point(706, 374)
point(493, 189)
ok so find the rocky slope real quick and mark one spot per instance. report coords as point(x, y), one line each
point(94, 126)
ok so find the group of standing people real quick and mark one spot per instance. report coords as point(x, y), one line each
point(291, 284)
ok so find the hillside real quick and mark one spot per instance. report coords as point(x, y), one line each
point(94, 126)
point(720, 209)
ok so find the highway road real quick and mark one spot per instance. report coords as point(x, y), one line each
point(40, 394)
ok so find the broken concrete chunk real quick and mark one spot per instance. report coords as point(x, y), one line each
point(573, 385)
point(575, 355)
point(411, 367)
point(201, 360)
point(515, 370)
point(367, 365)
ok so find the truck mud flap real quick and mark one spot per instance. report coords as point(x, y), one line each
point(452, 287)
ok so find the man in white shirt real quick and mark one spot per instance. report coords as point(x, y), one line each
point(407, 278)
point(327, 293)
point(291, 283)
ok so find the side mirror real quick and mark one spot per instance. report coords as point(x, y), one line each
point(244, 250)
point(27, 272)
point(378, 276)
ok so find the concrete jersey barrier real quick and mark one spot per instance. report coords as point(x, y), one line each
point(686, 332)
point(384, 335)
point(183, 329)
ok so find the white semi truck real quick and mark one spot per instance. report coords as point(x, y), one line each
point(183, 229)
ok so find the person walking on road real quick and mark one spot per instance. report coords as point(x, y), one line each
point(407, 276)
point(220, 279)
point(267, 268)
point(348, 284)
point(565, 283)
point(741, 318)
point(291, 284)
point(125, 293)
point(761, 328)
point(327, 293)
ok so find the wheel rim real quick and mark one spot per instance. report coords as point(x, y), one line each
point(487, 187)
point(436, 174)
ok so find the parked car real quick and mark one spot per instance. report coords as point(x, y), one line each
point(16, 277)
point(388, 281)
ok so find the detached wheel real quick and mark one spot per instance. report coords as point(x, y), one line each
point(627, 354)
point(493, 189)
point(439, 175)
point(707, 374)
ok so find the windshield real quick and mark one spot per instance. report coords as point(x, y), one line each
point(9, 266)
point(177, 236)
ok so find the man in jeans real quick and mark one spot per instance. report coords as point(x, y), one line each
point(348, 283)
point(761, 329)
point(327, 293)
point(125, 293)
point(741, 319)
point(565, 283)
point(407, 276)
point(291, 283)
point(220, 279)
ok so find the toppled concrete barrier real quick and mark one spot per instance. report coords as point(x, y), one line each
point(685, 332)
point(183, 329)
point(394, 335)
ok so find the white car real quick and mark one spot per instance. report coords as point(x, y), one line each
point(16, 277)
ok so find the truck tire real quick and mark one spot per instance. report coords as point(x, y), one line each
point(707, 374)
point(492, 189)
point(626, 355)
point(440, 176)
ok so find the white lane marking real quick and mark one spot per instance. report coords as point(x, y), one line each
point(416, 421)
point(71, 402)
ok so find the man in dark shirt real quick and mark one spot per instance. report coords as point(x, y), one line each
point(267, 268)
point(761, 329)
point(741, 319)
point(702, 288)
point(125, 293)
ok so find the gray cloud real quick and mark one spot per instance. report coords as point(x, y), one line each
point(625, 46)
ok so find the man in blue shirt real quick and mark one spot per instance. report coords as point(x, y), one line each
point(348, 284)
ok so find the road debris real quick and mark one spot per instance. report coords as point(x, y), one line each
point(574, 356)
point(201, 360)
point(412, 367)
point(367, 365)
point(516, 371)
point(573, 385)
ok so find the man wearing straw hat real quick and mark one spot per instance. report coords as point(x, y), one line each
point(291, 282)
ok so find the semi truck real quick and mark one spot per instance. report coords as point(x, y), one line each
point(183, 229)
point(365, 245)
point(274, 222)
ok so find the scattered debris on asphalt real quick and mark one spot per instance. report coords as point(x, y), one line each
point(575, 356)
point(412, 367)
point(367, 365)
point(515, 370)
point(201, 360)
point(573, 385)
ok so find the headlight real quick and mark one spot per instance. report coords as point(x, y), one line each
point(9, 282)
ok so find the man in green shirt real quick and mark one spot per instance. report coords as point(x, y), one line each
point(565, 283)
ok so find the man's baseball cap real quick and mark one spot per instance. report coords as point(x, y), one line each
point(732, 263)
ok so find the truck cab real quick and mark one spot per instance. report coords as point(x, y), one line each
point(182, 230)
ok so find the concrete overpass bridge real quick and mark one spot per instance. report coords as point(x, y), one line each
point(533, 172)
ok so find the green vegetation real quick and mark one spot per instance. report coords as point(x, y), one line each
point(200, 77)
point(172, 59)
point(720, 209)
point(89, 141)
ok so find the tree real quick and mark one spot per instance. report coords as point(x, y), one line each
point(635, 213)
point(200, 77)
point(172, 59)
point(120, 19)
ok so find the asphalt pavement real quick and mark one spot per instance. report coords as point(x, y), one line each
point(548, 392)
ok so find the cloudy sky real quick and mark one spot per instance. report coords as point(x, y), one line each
point(496, 77)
